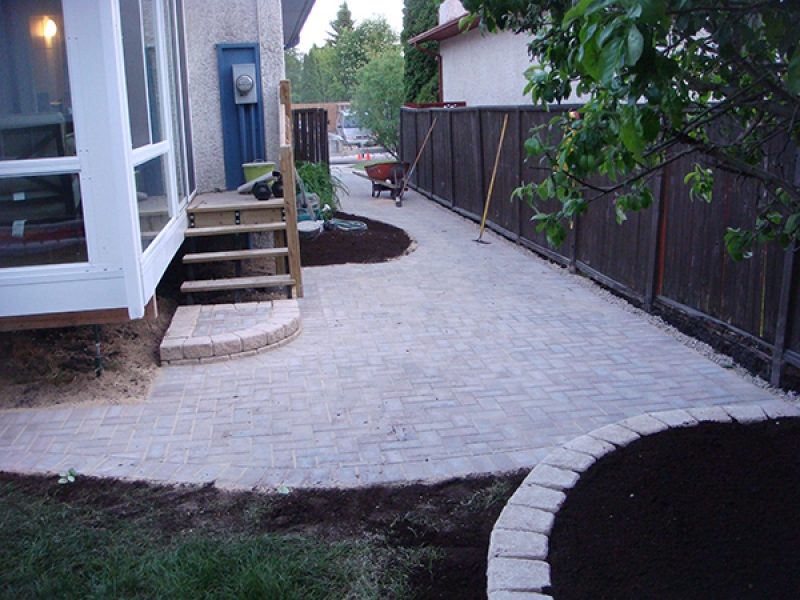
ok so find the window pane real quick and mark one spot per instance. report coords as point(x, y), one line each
point(151, 52)
point(179, 143)
point(35, 102)
point(134, 72)
point(187, 124)
point(41, 221)
point(152, 202)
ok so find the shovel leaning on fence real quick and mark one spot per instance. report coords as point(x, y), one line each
point(399, 199)
point(480, 239)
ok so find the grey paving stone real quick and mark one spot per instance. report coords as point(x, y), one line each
point(537, 496)
point(615, 434)
point(675, 418)
point(198, 347)
point(715, 414)
point(512, 574)
point(518, 544)
point(226, 344)
point(252, 339)
point(776, 409)
point(590, 445)
point(552, 477)
point(569, 460)
point(745, 413)
point(644, 425)
point(506, 595)
point(171, 349)
point(521, 518)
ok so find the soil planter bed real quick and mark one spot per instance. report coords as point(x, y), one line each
point(700, 510)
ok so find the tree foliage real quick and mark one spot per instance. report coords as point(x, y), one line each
point(718, 79)
point(330, 73)
point(421, 75)
point(354, 49)
point(379, 96)
point(341, 24)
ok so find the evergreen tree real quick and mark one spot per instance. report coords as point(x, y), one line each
point(421, 73)
point(341, 24)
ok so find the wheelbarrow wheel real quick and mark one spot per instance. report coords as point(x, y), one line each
point(376, 190)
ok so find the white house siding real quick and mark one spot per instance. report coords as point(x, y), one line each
point(229, 22)
point(485, 70)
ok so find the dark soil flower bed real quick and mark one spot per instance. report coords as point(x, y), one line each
point(378, 243)
point(699, 513)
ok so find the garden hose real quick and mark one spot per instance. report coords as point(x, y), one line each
point(343, 225)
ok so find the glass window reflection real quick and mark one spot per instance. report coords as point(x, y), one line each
point(35, 101)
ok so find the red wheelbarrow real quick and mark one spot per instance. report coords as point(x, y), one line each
point(387, 176)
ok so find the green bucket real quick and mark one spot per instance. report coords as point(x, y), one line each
point(256, 169)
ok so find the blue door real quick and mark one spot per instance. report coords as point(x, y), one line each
point(242, 119)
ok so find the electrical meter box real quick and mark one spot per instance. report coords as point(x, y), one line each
point(244, 84)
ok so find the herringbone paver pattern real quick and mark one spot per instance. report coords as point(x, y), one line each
point(458, 358)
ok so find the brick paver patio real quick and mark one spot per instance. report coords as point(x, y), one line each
point(459, 358)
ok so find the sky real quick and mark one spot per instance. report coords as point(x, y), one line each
point(315, 31)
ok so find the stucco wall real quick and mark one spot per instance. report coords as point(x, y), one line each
point(229, 22)
point(485, 70)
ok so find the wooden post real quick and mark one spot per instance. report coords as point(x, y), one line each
point(478, 153)
point(286, 121)
point(451, 170)
point(784, 308)
point(289, 190)
point(781, 329)
point(653, 255)
point(290, 210)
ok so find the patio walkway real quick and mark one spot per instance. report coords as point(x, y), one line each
point(459, 358)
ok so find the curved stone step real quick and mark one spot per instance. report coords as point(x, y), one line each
point(217, 332)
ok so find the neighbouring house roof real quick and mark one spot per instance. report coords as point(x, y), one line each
point(295, 13)
point(445, 31)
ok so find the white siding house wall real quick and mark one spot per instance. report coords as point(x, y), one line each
point(229, 22)
point(485, 70)
point(112, 277)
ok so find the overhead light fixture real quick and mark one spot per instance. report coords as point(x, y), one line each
point(50, 29)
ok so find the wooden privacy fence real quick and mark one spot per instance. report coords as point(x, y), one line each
point(310, 130)
point(670, 258)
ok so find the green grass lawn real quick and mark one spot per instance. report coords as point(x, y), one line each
point(55, 548)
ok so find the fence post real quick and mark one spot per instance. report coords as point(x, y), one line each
point(656, 224)
point(478, 153)
point(451, 171)
point(781, 330)
point(782, 327)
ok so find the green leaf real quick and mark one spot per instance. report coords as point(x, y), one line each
point(653, 10)
point(609, 61)
point(576, 12)
point(591, 60)
point(631, 139)
point(635, 45)
point(792, 224)
point(545, 189)
point(651, 124)
point(533, 146)
point(793, 74)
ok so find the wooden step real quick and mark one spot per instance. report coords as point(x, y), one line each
point(228, 229)
point(237, 283)
point(218, 203)
point(207, 257)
